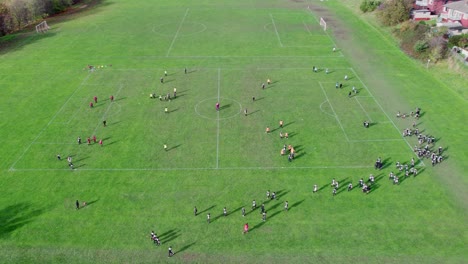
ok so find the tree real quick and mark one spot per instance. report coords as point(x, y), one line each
point(6, 21)
point(392, 12)
point(20, 12)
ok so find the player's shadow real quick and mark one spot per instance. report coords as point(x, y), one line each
point(386, 163)
point(273, 207)
point(373, 188)
point(323, 187)
point(174, 110)
point(169, 238)
point(110, 143)
point(300, 155)
point(120, 98)
point(257, 226)
point(207, 209)
point(296, 204)
point(174, 147)
point(292, 134)
point(344, 186)
point(402, 178)
point(79, 166)
point(287, 124)
point(274, 129)
point(168, 81)
point(343, 183)
point(234, 211)
point(182, 249)
point(224, 106)
point(280, 194)
point(217, 217)
point(274, 214)
point(83, 158)
point(260, 98)
point(419, 172)
point(107, 138)
point(93, 201)
point(114, 123)
point(169, 233)
point(298, 148)
point(253, 112)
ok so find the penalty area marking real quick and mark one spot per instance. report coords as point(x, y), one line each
point(12, 167)
point(276, 30)
point(321, 109)
point(382, 109)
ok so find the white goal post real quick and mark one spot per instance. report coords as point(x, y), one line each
point(323, 23)
point(42, 27)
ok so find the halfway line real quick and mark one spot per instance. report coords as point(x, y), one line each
point(217, 120)
point(177, 33)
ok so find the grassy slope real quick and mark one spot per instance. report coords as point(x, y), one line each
point(128, 204)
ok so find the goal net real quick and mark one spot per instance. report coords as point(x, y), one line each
point(42, 27)
point(323, 23)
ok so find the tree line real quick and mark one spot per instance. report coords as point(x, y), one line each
point(16, 14)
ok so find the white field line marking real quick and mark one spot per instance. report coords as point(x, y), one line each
point(12, 167)
point(198, 169)
point(53, 143)
point(307, 28)
point(177, 33)
point(362, 107)
point(294, 68)
point(107, 110)
point(321, 109)
point(333, 56)
point(336, 116)
point(78, 110)
point(276, 30)
point(381, 108)
point(217, 120)
point(377, 140)
point(307, 46)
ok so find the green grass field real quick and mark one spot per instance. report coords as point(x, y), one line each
point(223, 158)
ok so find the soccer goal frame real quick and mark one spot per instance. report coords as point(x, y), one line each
point(42, 27)
point(323, 23)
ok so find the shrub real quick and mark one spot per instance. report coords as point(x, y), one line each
point(421, 46)
point(369, 6)
point(392, 12)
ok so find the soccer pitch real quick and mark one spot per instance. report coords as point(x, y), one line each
point(220, 52)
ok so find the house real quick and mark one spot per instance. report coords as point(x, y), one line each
point(456, 12)
point(422, 14)
point(435, 6)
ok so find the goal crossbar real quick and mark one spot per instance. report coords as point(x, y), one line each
point(42, 27)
